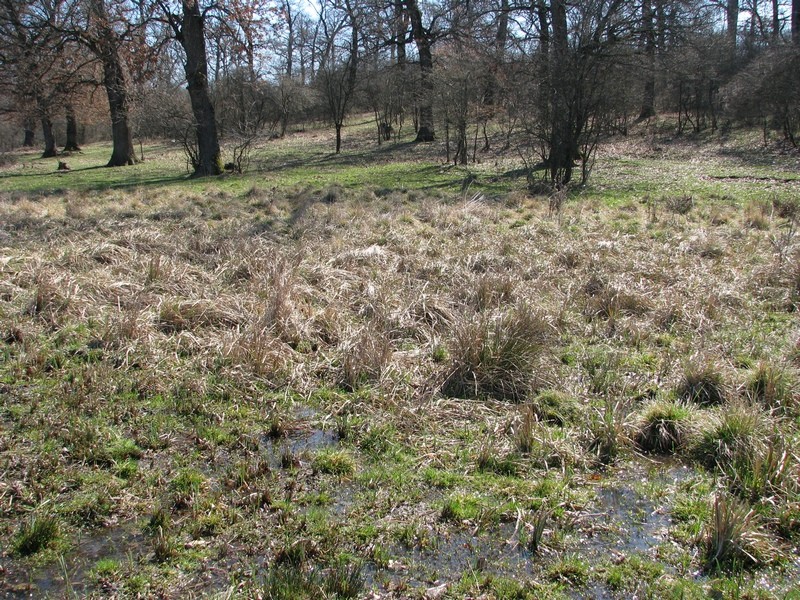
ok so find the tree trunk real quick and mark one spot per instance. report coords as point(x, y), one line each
point(400, 33)
point(29, 126)
point(544, 28)
point(338, 137)
point(192, 39)
point(49, 138)
point(649, 93)
point(500, 40)
point(287, 7)
point(461, 147)
point(776, 20)
point(796, 22)
point(561, 144)
point(425, 132)
point(123, 152)
point(72, 131)
point(106, 47)
point(732, 18)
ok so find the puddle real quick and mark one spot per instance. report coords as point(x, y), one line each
point(297, 444)
point(73, 578)
point(625, 520)
point(300, 440)
point(451, 555)
point(634, 523)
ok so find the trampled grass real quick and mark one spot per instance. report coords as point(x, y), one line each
point(371, 377)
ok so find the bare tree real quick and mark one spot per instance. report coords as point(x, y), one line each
point(187, 23)
point(105, 33)
point(337, 75)
point(32, 62)
point(423, 38)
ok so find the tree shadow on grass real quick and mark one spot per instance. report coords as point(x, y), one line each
point(60, 181)
point(414, 170)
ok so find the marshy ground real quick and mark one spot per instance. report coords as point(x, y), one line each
point(374, 376)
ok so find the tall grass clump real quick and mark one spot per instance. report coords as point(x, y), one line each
point(732, 539)
point(498, 357)
point(702, 384)
point(606, 434)
point(772, 387)
point(34, 535)
point(367, 356)
point(737, 432)
point(344, 580)
point(556, 408)
point(741, 445)
point(664, 427)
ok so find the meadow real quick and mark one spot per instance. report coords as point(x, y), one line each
point(372, 375)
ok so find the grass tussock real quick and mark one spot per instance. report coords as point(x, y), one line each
point(742, 445)
point(498, 358)
point(665, 427)
point(557, 408)
point(606, 435)
point(702, 384)
point(773, 387)
point(176, 315)
point(733, 540)
point(35, 534)
point(366, 358)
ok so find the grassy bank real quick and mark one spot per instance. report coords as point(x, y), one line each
point(354, 377)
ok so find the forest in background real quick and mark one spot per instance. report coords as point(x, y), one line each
point(553, 78)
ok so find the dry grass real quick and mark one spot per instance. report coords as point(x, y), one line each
point(732, 539)
point(224, 336)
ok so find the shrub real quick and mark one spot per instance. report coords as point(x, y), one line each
point(664, 427)
point(496, 357)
